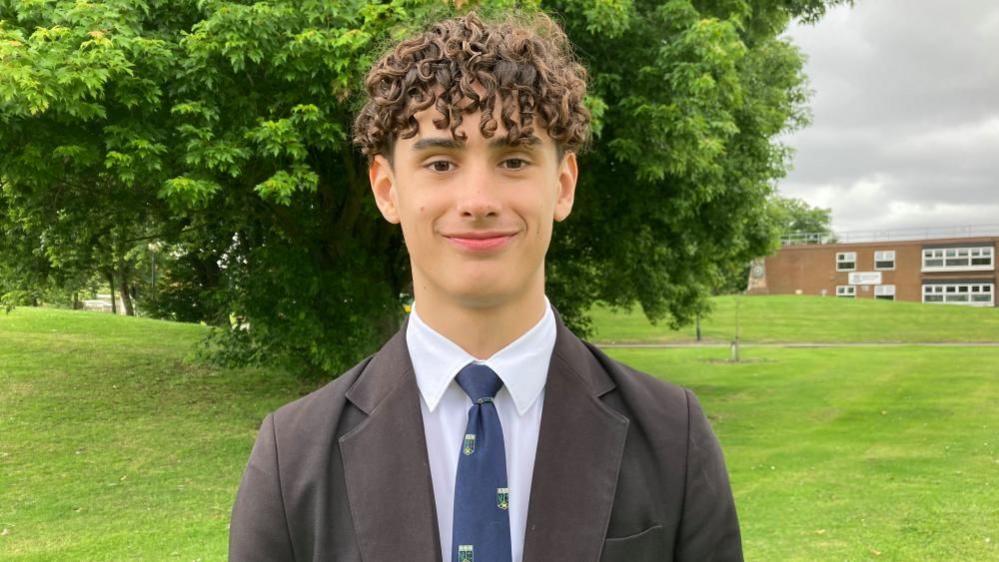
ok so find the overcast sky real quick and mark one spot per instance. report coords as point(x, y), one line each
point(905, 128)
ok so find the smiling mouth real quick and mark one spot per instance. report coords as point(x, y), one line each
point(478, 242)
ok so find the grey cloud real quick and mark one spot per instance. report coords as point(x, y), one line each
point(906, 114)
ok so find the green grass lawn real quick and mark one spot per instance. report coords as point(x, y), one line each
point(810, 318)
point(115, 444)
point(853, 454)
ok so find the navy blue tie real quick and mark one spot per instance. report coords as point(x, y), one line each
point(481, 530)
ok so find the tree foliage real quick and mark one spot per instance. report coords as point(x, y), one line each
point(801, 222)
point(220, 132)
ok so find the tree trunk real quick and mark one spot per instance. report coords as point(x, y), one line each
point(126, 298)
point(109, 273)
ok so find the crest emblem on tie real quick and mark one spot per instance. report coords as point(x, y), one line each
point(503, 498)
point(469, 446)
point(464, 553)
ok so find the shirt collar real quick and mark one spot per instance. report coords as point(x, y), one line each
point(522, 365)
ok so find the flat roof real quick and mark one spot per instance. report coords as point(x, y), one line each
point(938, 242)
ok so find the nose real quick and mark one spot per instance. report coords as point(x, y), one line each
point(478, 197)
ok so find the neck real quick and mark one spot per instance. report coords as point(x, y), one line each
point(482, 329)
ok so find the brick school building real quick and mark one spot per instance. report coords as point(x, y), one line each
point(954, 270)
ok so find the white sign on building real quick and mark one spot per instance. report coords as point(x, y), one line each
point(865, 278)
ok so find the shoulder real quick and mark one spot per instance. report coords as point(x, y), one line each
point(639, 385)
point(320, 409)
point(666, 412)
point(611, 379)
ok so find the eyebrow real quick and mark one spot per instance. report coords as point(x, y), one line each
point(454, 144)
point(438, 143)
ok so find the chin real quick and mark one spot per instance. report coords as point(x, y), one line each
point(478, 296)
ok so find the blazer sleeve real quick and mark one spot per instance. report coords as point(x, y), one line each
point(709, 528)
point(259, 527)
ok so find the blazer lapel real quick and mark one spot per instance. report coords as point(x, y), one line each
point(580, 446)
point(385, 462)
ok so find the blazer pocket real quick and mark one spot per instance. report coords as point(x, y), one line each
point(646, 546)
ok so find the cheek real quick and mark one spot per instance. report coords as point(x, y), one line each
point(544, 234)
point(421, 218)
point(539, 218)
point(415, 207)
point(542, 208)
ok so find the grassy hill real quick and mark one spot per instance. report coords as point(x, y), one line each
point(765, 319)
point(115, 444)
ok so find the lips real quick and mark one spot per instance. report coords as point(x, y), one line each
point(480, 241)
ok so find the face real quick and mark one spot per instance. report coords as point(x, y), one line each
point(477, 215)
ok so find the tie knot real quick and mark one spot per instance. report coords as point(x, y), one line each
point(479, 382)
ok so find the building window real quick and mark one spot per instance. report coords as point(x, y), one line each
point(884, 292)
point(884, 259)
point(968, 293)
point(959, 259)
point(933, 259)
point(846, 291)
point(846, 261)
point(982, 256)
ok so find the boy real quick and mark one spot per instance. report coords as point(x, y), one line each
point(484, 430)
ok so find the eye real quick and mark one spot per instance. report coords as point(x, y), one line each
point(515, 163)
point(440, 166)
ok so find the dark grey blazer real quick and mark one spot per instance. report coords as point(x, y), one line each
point(627, 470)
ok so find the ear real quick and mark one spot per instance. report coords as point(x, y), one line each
point(568, 172)
point(382, 180)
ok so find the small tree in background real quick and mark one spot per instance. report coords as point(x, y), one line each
point(801, 222)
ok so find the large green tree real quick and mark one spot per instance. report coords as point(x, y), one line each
point(220, 131)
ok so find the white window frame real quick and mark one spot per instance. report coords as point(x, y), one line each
point(884, 292)
point(884, 255)
point(846, 257)
point(958, 258)
point(846, 291)
point(967, 293)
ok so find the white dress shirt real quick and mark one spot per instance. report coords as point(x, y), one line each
point(523, 367)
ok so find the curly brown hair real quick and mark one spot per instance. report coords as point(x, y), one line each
point(526, 60)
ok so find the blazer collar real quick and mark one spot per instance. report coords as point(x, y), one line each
point(580, 447)
point(389, 489)
point(388, 369)
point(579, 361)
point(392, 364)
